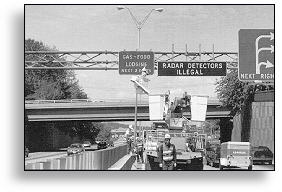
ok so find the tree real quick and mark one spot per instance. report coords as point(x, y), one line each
point(104, 133)
point(210, 126)
point(236, 94)
point(54, 85)
point(49, 84)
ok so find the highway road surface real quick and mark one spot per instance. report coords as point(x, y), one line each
point(255, 167)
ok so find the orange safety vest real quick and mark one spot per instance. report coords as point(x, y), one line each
point(140, 146)
point(167, 153)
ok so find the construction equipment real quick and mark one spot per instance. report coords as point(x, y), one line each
point(189, 147)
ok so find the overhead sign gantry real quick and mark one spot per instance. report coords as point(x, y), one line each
point(108, 60)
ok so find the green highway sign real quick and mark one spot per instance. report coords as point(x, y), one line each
point(132, 62)
point(256, 55)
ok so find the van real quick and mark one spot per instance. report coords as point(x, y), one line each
point(235, 154)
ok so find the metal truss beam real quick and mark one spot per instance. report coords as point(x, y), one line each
point(108, 60)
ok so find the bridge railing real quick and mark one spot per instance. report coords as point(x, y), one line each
point(58, 101)
point(83, 101)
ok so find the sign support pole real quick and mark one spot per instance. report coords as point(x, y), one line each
point(139, 40)
point(135, 116)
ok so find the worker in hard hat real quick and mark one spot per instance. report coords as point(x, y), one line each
point(167, 154)
point(139, 150)
point(129, 144)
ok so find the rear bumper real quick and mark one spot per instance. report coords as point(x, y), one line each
point(235, 162)
point(190, 164)
point(262, 159)
point(73, 152)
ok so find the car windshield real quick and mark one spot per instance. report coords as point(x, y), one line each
point(75, 145)
point(259, 149)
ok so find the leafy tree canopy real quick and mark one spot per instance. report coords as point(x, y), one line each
point(49, 84)
point(104, 133)
point(235, 94)
point(55, 85)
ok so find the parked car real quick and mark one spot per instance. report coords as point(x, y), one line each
point(75, 149)
point(102, 145)
point(86, 144)
point(213, 155)
point(262, 154)
point(26, 151)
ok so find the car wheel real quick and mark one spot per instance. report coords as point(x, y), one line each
point(211, 163)
point(220, 167)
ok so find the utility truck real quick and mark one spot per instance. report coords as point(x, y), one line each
point(189, 147)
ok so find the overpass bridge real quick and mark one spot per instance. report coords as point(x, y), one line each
point(52, 113)
point(103, 111)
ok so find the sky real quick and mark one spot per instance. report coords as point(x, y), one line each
point(103, 27)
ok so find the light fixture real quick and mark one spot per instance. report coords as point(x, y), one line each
point(159, 9)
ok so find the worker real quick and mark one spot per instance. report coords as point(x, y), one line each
point(139, 150)
point(167, 154)
point(129, 145)
point(187, 146)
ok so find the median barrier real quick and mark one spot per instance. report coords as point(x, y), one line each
point(77, 162)
point(89, 160)
point(82, 162)
point(63, 163)
point(47, 165)
point(86, 159)
point(125, 163)
point(129, 163)
point(55, 164)
point(30, 166)
point(97, 160)
point(112, 156)
point(93, 160)
point(116, 154)
point(38, 165)
point(70, 163)
point(105, 158)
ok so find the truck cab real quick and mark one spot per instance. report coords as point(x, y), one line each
point(187, 159)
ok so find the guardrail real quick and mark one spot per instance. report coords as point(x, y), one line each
point(129, 100)
point(89, 160)
point(60, 101)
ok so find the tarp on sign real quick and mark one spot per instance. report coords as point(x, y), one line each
point(198, 107)
point(156, 107)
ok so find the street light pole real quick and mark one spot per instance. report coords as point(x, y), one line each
point(139, 25)
point(135, 115)
point(139, 39)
